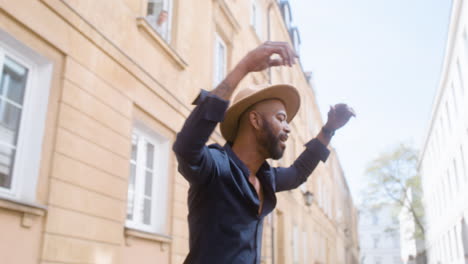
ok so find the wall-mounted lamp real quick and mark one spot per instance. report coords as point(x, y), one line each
point(308, 198)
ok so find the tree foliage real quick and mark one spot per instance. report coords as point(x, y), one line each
point(390, 177)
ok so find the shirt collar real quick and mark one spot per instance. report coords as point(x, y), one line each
point(264, 168)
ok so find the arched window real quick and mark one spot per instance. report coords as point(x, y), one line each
point(286, 12)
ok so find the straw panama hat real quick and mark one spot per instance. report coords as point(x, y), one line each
point(247, 97)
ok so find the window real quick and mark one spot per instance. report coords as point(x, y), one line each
point(378, 260)
point(286, 12)
point(296, 39)
point(375, 219)
point(24, 92)
point(159, 16)
point(376, 240)
point(462, 158)
point(148, 180)
point(305, 255)
point(295, 244)
point(256, 18)
point(460, 78)
point(395, 241)
point(220, 63)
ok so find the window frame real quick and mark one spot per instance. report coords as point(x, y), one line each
point(27, 157)
point(160, 182)
point(218, 79)
point(170, 5)
point(256, 18)
point(295, 245)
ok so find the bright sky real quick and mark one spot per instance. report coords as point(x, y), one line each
point(383, 58)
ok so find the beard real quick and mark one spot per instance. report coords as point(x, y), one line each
point(271, 142)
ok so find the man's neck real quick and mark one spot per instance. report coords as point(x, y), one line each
point(249, 155)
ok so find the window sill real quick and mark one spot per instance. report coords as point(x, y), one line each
point(255, 33)
point(143, 24)
point(29, 211)
point(133, 233)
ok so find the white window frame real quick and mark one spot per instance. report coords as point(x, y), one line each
point(217, 78)
point(256, 18)
point(295, 244)
point(305, 253)
point(25, 171)
point(167, 5)
point(159, 202)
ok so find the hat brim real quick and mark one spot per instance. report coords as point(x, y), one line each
point(286, 93)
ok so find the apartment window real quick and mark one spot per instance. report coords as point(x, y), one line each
point(378, 260)
point(462, 157)
point(295, 244)
point(159, 16)
point(305, 255)
point(286, 12)
point(460, 78)
point(395, 241)
point(465, 41)
point(375, 219)
point(376, 240)
point(24, 91)
point(454, 98)
point(296, 39)
point(256, 18)
point(148, 180)
point(220, 63)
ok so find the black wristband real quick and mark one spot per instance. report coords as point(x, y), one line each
point(330, 133)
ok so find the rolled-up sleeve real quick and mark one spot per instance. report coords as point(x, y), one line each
point(194, 158)
point(296, 174)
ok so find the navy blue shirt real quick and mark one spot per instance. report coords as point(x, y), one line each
point(224, 224)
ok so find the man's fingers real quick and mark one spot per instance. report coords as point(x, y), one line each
point(353, 113)
point(275, 62)
point(283, 49)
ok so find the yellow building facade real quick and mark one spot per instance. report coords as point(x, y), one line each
point(92, 94)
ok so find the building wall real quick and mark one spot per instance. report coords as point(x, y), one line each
point(378, 246)
point(111, 72)
point(443, 162)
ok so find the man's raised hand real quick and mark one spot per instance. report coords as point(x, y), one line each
point(338, 116)
point(256, 60)
point(260, 59)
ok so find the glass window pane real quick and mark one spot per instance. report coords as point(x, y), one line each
point(157, 14)
point(6, 165)
point(10, 116)
point(131, 192)
point(13, 82)
point(147, 211)
point(149, 155)
point(148, 184)
point(134, 147)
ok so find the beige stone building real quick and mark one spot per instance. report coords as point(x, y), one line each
point(92, 94)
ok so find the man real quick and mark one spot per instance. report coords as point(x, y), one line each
point(232, 188)
point(159, 22)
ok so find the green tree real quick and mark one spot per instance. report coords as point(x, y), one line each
point(390, 177)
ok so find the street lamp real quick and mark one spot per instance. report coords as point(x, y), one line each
point(308, 198)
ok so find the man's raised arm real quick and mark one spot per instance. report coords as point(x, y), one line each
point(316, 150)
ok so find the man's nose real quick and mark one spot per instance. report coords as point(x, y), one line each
point(286, 128)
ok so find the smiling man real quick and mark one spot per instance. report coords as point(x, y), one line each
point(232, 187)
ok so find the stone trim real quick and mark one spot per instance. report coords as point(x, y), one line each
point(142, 23)
point(30, 211)
point(131, 234)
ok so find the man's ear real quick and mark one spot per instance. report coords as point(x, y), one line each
point(255, 120)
